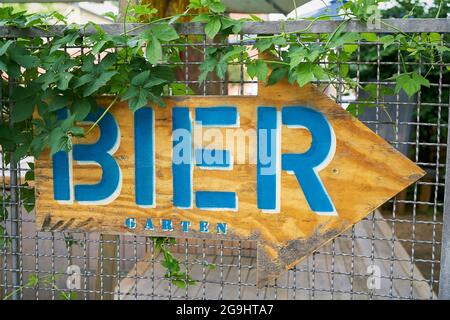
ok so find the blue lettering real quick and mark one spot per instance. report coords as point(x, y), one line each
point(306, 165)
point(221, 228)
point(268, 162)
point(204, 226)
point(62, 171)
point(149, 224)
point(182, 158)
point(216, 117)
point(144, 137)
point(185, 225)
point(166, 225)
point(130, 223)
point(101, 153)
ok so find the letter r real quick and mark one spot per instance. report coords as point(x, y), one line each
point(306, 166)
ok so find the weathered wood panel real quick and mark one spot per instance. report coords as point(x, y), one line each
point(364, 173)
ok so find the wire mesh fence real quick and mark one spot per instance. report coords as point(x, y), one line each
point(394, 253)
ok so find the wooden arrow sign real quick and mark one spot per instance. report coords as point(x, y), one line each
point(297, 171)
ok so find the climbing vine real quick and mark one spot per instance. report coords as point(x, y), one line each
point(139, 66)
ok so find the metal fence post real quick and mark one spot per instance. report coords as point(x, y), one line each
point(14, 214)
point(444, 278)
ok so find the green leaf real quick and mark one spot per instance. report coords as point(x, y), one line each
point(13, 69)
point(369, 36)
point(80, 109)
point(154, 50)
point(434, 37)
point(139, 101)
point(297, 56)
point(164, 72)
point(279, 41)
point(221, 69)
point(321, 74)
point(26, 61)
point(387, 40)
point(83, 80)
point(256, 18)
point(237, 27)
point(343, 70)
point(130, 93)
point(355, 109)
point(38, 145)
point(217, 7)
point(97, 47)
point(139, 80)
point(29, 175)
point(259, 69)
point(212, 28)
point(58, 102)
point(222, 65)
point(5, 47)
point(59, 141)
point(66, 40)
point(202, 17)
point(195, 4)
point(276, 75)
point(179, 89)
point(179, 283)
point(7, 137)
point(373, 90)
point(77, 131)
point(206, 67)
point(227, 22)
point(46, 79)
point(27, 196)
point(156, 99)
point(165, 32)
point(419, 79)
point(22, 93)
point(350, 48)
point(305, 74)
point(23, 109)
point(64, 79)
point(98, 82)
point(107, 62)
point(345, 38)
point(152, 82)
point(3, 66)
point(263, 44)
point(3, 217)
point(33, 280)
point(410, 83)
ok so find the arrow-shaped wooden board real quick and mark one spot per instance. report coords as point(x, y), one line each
point(312, 196)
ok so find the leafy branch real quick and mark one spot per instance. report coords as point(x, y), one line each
point(48, 281)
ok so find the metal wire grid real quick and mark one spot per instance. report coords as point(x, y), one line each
point(127, 267)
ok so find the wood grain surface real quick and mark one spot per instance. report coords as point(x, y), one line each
point(365, 172)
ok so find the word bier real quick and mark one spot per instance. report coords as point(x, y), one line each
point(305, 166)
point(300, 171)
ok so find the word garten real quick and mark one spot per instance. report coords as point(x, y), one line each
point(166, 225)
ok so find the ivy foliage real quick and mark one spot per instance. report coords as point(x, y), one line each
point(47, 281)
